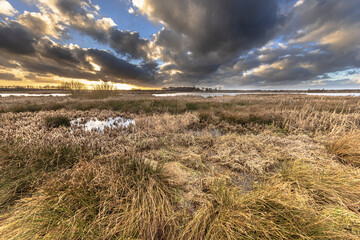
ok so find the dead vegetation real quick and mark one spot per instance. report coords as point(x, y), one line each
point(247, 167)
point(347, 148)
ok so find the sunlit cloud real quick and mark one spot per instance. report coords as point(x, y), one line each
point(233, 43)
point(7, 9)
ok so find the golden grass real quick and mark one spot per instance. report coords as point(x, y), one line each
point(347, 148)
point(299, 202)
point(245, 167)
point(269, 212)
point(102, 199)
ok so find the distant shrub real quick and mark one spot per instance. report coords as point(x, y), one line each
point(103, 90)
point(76, 88)
point(57, 121)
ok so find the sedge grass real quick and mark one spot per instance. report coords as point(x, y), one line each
point(276, 168)
point(347, 148)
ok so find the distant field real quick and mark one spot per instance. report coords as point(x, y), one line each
point(242, 167)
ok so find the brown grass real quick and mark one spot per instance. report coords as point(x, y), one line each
point(347, 148)
point(245, 167)
point(103, 199)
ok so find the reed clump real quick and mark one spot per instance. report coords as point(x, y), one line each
point(347, 148)
point(244, 167)
point(101, 199)
point(26, 166)
point(57, 121)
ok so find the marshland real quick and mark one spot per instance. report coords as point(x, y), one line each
point(184, 167)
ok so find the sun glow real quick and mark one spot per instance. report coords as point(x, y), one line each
point(138, 3)
point(118, 86)
point(95, 66)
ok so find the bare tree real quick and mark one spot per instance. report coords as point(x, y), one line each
point(75, 87)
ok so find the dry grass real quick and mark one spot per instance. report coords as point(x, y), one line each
point(106, 198)
point(299, 202)
point(245, 167)
point(270, 212)
point(347, 148)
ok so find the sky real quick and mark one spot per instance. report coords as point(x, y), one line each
point(227, 44)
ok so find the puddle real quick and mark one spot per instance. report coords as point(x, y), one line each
point(95, 124)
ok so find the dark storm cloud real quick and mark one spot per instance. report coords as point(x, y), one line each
point(323, 37)
point(16, 38)
point(203, 39)
point(74, 7)
point(58, 70)
point(84, 17)
point(9, 77)
point(60, 53)
point(114, 66)
point(315, 19)
point(208, 42)
point(201, 35)
point(48, 57)
point(128, 43)
point(288, 66)
point(77, 63)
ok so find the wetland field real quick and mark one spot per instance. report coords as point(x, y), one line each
point(137, 166)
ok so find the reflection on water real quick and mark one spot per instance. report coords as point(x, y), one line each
point(205, 95)
point(33, 94)
point(95, 124)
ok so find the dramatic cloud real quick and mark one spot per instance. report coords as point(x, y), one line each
point(85, 17)
point(229, 43)
point(201, 35)
point(329, 22)
point(323, 37)
point(16, 38)
point(40, 55)
point(43, 24)
point(276, 65)
point(128, 43)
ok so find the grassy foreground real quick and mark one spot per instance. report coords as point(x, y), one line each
point(245, 167)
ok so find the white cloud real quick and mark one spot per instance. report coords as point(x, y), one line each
point(298, 3)
point(6, 8)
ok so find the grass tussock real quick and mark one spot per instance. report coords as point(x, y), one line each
point(57, 121)
point(101, 199)
point(347, 148)
point(300, 203)
point(269, 212)
point(245, 167)
point(327, 185)
point(25, 167)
